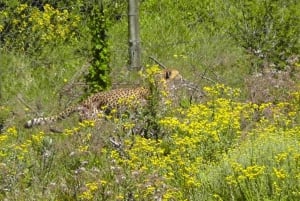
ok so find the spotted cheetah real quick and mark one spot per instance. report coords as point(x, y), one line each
point(98, 103)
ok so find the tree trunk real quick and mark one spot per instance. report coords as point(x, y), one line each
point(134, 36)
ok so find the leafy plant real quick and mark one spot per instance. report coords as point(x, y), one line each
point(98, 76)
point(268, 29)
point(28, 29)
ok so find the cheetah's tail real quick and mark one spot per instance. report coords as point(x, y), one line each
point(48, 120)
point(39, 121)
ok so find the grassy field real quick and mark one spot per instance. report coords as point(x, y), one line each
point(237, 140)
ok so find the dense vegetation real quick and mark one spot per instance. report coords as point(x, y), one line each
point(234, 135)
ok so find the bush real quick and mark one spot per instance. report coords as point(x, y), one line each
point(268, 29)
point(29, 29)
point(264, 168)
point(98, 77)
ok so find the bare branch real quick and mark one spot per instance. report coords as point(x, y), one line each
point(20, 98)
point(159, 63)
point(75, 78)
point(74, 82)
point(209, 79)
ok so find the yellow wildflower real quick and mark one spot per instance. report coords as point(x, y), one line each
point(279, 173)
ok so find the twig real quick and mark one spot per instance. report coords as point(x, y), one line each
point(74, 78)
point(20, 98)
point(192, 86)
point(54, 130)
point(68, 87)
point(159, 63)
point(209, 79)
point(206, 78)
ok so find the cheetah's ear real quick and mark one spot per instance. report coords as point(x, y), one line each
point(168, 74)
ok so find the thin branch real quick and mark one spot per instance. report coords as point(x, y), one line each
point(74, 78)
point(74, 81)
point(209, 79)
point(159, 63)
point(54, 130)
point(20, 98)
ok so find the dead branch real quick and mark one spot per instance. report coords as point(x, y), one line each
point(21, 100)
point(54, 130)
point(159, 63)
point(74, 81)
point(75, 78)
point(209, 79)
point(205, 77)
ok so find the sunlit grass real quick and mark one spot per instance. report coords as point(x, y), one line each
point(222, 148)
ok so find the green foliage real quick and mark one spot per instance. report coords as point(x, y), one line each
point(265, 167)
point(220, 149)
point(28, 29)
point(268, 29)
point(185, 35)
point(152, 112)
point(98, 76)
point(194, 13)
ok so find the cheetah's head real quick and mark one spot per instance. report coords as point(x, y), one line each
point(169, 75)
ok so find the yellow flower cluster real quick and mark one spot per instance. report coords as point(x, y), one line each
point(202, 134)
point(220, 90)
point(177, 168)
point(49, 25)
point(83, 130)
point(38, 138)
point(81, 125)
point(150, 73)
point(53, 24)
point(12, 131)
point(279, 173)
point(88, 194)
point(251, 172)
point(7, 143)
point(4, 137)
point(23, 149)
point(214, 120)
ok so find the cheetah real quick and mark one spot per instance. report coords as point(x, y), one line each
point(98, 103)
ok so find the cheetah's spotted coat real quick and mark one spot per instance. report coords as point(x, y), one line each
point(95, 104)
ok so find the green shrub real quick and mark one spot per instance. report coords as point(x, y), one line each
point(264, 168)
point(28, 29)
point(98, 77)
point(268, 29)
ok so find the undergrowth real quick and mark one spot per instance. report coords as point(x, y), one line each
point(238, 141)
point(221, 149)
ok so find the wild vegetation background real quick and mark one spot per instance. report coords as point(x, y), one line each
point(239, 140)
